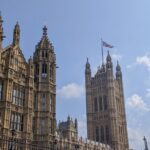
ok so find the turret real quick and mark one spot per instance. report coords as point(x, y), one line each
point(118, 71)
point(88, 68)
point(109, 64)
point(30, 69)
point(1, 31)
point(145, 143)
point(76, 124)
point(16, 35)
point(87, 72)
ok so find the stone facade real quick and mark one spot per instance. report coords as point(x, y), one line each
point(106, 118)
point(28, 102)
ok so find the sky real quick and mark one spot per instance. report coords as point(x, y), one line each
point(75, 27)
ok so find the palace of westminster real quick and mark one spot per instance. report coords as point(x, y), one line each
point(28, 102)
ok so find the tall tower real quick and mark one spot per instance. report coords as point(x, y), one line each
point(16, 91)
point(44, 120)
point(106, 119)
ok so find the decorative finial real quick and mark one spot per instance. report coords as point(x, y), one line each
point(108, 57)
point(44, 31)
point(145, 143)
point(117, 62)
point(87, 59)
point(1, 30)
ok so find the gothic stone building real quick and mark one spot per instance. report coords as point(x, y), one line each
point(106, 118)
point(28, 100)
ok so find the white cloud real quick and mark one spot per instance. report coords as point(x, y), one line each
point(70, 91)
point(143, 60)
point(135, 101)
point(116, 56)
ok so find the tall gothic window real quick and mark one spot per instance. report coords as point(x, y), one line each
point(43, 102)
point(50, 126)
point(107, 134)
point(33, 125)
point(44, 70)
point(105, 103)
point(37, 69)
point(102, 134)
point(42, 126)
point(16, 121)
point(97, 134)
point(46, 55)
point(18, 95)
point(95, 104)
point(100, 104)
point(50, 103)
point(35, 101)
point(42, 53)
point(1, 90)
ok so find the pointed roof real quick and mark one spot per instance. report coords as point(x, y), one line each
point(108, 57)
point(44, 42)
point(118, 68)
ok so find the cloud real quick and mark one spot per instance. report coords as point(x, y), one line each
point(143, 60)
point(135, 101)
point(116, 56)
point(71, 91)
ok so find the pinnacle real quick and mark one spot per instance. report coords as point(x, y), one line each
point(45, 31)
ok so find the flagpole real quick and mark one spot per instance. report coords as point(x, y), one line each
point(102, 51)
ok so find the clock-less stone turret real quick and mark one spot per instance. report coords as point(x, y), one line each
point(106, 118)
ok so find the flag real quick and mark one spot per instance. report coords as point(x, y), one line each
point(106, 45)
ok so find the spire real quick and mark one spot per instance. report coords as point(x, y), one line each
point(88, 68)
point(145, 143)
point(1, 31)
point(16, 35)
point(118, 71)
point(76, 123)
point(44, 42)
point(118, 68)
point(108, 59)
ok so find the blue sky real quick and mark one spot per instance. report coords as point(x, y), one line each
point(75, 28)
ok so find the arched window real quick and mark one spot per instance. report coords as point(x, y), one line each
point(105, 103)
point(97, 134)
point(95, 104)
point(37, 69)
point(100, 104)
point(44, 68)
point(1, 90)
point(102, 134)
point(43, 105)
point(42, 53)
point(42, 126)
point(107, 134)
point(46, 54)
point(35, 101)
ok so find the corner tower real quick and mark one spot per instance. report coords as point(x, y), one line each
point(106, 119)
point(45, 91)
